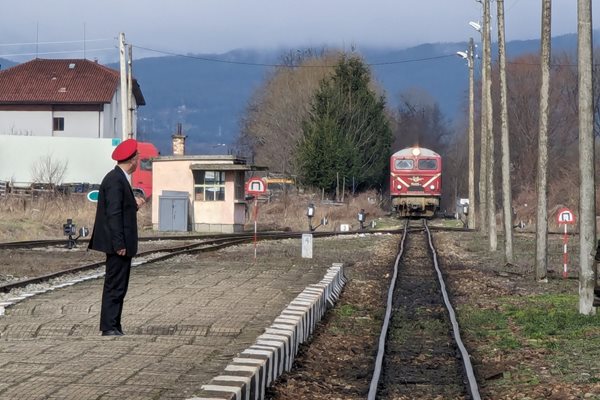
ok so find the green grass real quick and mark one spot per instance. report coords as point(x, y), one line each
point(536, 318)
point(550, 323)
point(347, 310)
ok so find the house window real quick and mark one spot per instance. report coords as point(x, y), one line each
point(209, 185)
point(239, 186)
point(58, 124)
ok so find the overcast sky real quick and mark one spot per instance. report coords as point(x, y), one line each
point(217, 26)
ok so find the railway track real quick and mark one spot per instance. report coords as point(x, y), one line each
point(159, 254)
point(199, 244)
point(420, 354)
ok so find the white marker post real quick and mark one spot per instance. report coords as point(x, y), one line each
point(255, 229)
point(255, 187)
point(565, 217)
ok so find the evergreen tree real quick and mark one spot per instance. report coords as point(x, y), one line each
point(347, 132)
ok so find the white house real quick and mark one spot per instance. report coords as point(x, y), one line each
point(67, 111)
point(63, 98)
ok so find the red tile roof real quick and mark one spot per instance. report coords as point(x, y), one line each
point(75, 81)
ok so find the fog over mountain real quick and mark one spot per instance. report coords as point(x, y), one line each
point(209, 98)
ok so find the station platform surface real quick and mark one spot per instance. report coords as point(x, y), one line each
point(184, 320)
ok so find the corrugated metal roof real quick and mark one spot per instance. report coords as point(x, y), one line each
point(226, 167)
point(67, 81)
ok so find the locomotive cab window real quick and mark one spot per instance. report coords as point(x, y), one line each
point(146, 164)
point(403, 164)
point(428, 164)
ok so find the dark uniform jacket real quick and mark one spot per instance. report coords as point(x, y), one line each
point(116, 220)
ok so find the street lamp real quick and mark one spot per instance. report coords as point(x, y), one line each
point(475, 25)
point(469, 55)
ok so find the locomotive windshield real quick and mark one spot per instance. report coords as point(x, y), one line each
point(403, 164)
point(146, 164)
point(428, 164)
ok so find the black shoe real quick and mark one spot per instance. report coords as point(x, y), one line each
point(112, 332)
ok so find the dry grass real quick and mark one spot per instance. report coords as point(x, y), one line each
point(43, 217)
point(289, 212)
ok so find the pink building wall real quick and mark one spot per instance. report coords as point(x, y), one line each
point(175, 174)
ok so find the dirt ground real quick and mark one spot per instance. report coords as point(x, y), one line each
point(336, 364)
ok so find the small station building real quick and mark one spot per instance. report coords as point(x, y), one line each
point(202, 193)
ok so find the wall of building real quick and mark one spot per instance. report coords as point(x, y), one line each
point(111, 121)
point(212, 216)
point(170, 176)
point(78, 124)
point(26, 123)
point(87, 160)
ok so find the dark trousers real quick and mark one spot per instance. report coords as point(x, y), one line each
point(116, 281)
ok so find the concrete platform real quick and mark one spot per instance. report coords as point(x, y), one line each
point(187, 323)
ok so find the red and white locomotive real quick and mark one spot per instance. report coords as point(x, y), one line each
point(415, 182)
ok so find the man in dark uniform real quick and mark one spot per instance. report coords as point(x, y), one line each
point(115, 233)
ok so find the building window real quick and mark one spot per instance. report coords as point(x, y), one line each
point(209, 185)
point(240, 190)
point(58, 124)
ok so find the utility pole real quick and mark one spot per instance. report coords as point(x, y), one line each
point(541, 236)
point(587, 190)
point(471, 61)
point(491, 202)
point(130, 93)
point(506, 186)
point(483, 149)
point(123, 79)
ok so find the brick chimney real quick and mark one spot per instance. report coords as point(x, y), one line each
point(178, 142)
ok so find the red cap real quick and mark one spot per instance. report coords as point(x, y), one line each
point(125, 150)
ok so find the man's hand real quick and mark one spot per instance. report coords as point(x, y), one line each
point(140, 202)
point(121, 252)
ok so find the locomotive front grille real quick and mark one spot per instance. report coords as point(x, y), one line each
point(415, 188)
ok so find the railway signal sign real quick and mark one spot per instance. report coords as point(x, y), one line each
point(565, 216)
point(256, 186)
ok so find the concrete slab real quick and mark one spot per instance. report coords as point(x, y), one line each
point(185, 321)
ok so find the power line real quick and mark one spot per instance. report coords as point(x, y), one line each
point(54, 52)
point(59, 42)
point(283, 65)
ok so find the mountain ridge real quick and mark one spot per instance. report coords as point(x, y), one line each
point(208, 93)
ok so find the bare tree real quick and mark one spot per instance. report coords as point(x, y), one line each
point(420, 122)
point(272, 125)
point(49, 170)
point(506, 186)
point(587, 190)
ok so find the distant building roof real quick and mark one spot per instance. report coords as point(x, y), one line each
point(71, 81)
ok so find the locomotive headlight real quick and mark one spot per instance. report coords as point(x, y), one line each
point(432, 187)
point(399, 187)
point(416, 151)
